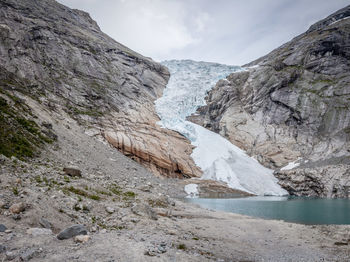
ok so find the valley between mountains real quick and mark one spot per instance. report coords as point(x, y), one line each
point(93, 166)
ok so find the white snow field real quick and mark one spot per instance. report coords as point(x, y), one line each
point(217, 157)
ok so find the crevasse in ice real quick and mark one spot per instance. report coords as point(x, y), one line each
point(219, 159)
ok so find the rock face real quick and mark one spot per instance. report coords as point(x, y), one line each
point(292, 103)
point(59, 58)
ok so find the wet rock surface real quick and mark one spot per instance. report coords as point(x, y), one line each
point(292, 103)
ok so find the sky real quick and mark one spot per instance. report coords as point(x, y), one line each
point(231, 32)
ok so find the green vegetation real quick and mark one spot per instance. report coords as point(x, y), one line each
point(91, 112)
point(129, 194)
point(182, 247)
point(38, 179)
point(15, 191)
point(115, 189)
point(19, 136)
point(81, 192)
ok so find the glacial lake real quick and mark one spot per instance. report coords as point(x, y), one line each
point(309, 211)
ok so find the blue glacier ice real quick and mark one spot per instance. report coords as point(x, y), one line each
point(219, 159)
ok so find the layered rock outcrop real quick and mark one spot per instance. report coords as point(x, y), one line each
point(293, 103)
point(68, 64)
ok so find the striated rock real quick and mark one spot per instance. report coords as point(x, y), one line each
point(324, 181)
point(60, 57)
point(72, 231)
point(291, 103)
point(162, 151)
point(17, 208)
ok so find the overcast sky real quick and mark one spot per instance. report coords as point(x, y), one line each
point(224, 31)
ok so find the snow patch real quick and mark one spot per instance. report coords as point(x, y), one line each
point(291, 165)
point(339, 20)
point(191, 190)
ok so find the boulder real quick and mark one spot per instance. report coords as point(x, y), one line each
point(72, 171)
point(72, 231)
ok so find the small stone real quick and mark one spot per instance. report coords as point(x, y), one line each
point(8, 231)
point(2, 204)
point(82, 238)
point(72, 171)
point(162, 248)
point(39, 231)
point(16, 217)
point(103, 231)
point(2, 228)
point(72, 231)
point(150, 253)
point(28, 254)
point(17, 208)
point(10, 255)
point(2, 249)
point(44, 223)
point(171, 232)
point(93, 229)
point(341, 243)
point(110, 210)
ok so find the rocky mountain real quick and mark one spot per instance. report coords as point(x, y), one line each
point(57, 60)
point(293, 105)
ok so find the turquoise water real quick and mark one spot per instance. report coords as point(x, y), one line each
point(290, 209)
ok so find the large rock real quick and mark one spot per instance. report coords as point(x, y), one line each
point(292, 103)
point(72, 171)
point(60, 57)
point(17, 208)
point(72, 231)
point(324, 181)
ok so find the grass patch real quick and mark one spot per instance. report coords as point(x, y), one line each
point(129, 194)
point(115, 189)
point(102, 192)
point(15, 191)
point(19, 136)
point(81, 192)
point(38, 179)
point(181, 246)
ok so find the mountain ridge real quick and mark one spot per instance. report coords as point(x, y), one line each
point(293, 104)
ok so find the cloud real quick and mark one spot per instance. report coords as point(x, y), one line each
point(226, 31)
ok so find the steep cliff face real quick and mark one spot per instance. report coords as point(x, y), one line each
point(64, 62)
point(293, 104)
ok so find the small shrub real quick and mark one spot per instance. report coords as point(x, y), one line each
point(182, 247)
point(15, 191)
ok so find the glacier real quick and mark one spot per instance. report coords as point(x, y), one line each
point(219, 159)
